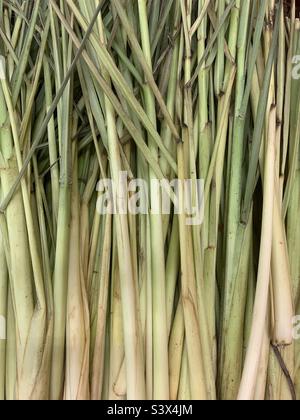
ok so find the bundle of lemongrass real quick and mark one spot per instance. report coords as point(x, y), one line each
point(121, 304)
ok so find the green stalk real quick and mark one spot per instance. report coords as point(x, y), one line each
point(3, 317)
point(52, 144)
point(249, 378)
point(288, 89)
point(220, 60)
point(129, 290)
point(235, 193)
point(21, 69)
point(184, 391)
point(98, 362)
point(17, 236)
point(116, 322)
point(30, 361)
point(11, 352)
point(198, 387)
point(160, 334)
point(176, 346)
point(61, 266)
point(78, 323)
point(204, 124)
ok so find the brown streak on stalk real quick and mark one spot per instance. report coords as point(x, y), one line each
point(285, 371)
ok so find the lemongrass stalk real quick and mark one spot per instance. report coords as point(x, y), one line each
point(21, 69)
point(202, 12)
point(188, 286)
point(288, 389)
point(218, 27)
point(232, 40)
point(149, 315)
point(282, 309)
point(95, 288)
point(250, 297)
point(61, 266)
point(132, 13)
point(146, 65)
point(293, 208)
point(116, 337)
point(294, 144)
point(41, 391)
point(281, 75)
point(179, 93)
point(11, 352)
point(166, 133)
point(52, 144)
point(26, 118)
point(133, 240)
point(18, 240)
point(3, 317)
point(19, 42)
point(172, 270)
point(124, 116)
point(293, 230)
point(160, 334)
point(176, 351)
point(85, 235)
point(56, 48)
point(98, 362)
point(274, 378)
point(204, 126)
point(265, 103)
point(281, 281)
point(220, 59)
point(133, 346)
point(254, 55)
point(77, 329)
point(281, 364)
point(120, 386)
point(288, 89)
point(233, 206)
point(297, 369)
point(156, 37)
point(259, 121)
point(216, 164)
point(233, 357)
point(93, 248)
point(118, 79)
point(191, 174)
point(184, 391)
point(247, 387)
point(12, 38)
point(261, 383)
point(43, 128)
point(32, 357)
point(142, 260)
point(105, 391)
point(210, 255)
point(188, 132)
point(154, 19)
point(93, 105)
point(129, 65)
